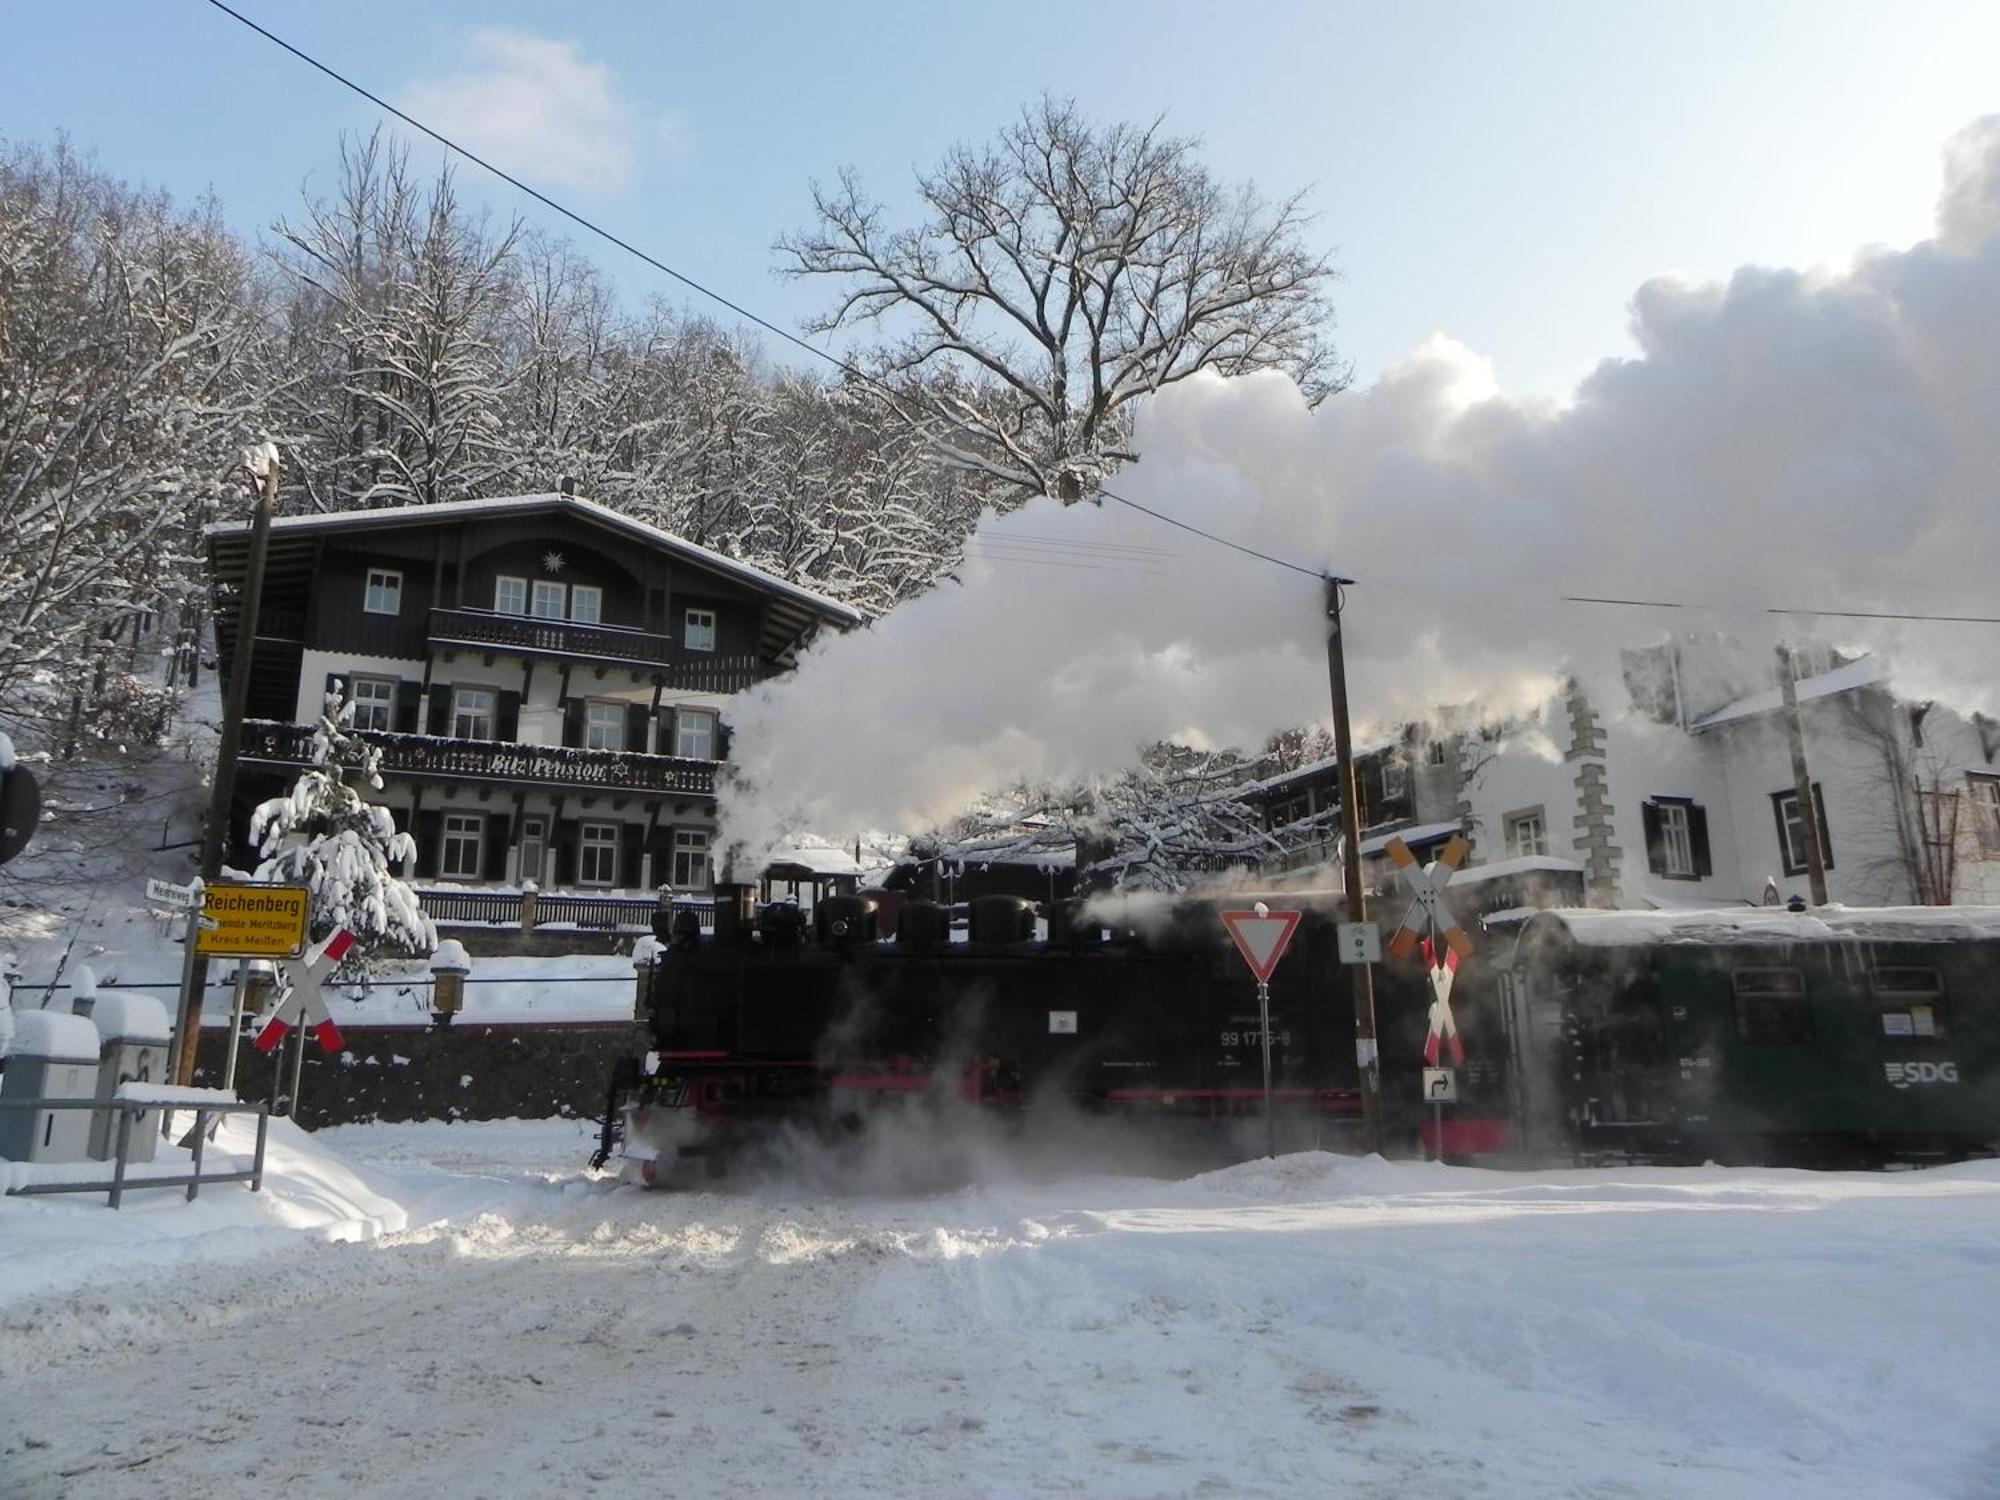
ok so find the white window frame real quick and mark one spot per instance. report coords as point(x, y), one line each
point(466, 714)
point(1791, 848)
point(1676, 840)
point(502, 604)
point(684, 720)
point(596, 839)
point(1436, 755)
point(383, 592)
point(1984, 794)
point(698, 630)
point(555, 594)
point(691, 869)
point(381, 695)
point(578, 592)
point(462, 832)
point(1527, 833)
point(603, 725)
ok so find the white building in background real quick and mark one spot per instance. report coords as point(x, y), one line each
point(1688, 798)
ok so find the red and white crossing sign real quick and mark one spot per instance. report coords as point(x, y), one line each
point(1427, 909)
point(303, 999)
point(1261, 937)
point(1442, 1033)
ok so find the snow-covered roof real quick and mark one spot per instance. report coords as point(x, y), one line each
point(1311, 769)
point(823, 857)
point(1864, 672)
point(1524, 864)
point(1748, 925)
point(391, 516)
point(1423, 833)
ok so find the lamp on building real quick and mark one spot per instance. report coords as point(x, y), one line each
point(449, 966)
point(257, 981)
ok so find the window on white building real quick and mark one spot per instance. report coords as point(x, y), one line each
point(694, 734)
point(1985, 796)
point(690, 859)
point(586, 603)
point(472, 714)
point(550, 600)
point(597, 854)
point(374, 702)
point(534, 841)
point(1437, 753)
point(1527, 833)
point(604, 726)
point(463, 834)
point(385, 592)
point(700, 632)
point(510, 595)
point(1791, 833)
point(1676, 849)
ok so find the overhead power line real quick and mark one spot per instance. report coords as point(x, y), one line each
point(1838, 614)
point(689, 282)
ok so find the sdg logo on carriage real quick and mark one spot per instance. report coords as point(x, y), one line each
point(1902, 1074)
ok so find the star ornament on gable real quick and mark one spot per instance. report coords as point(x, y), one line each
point(552, 562)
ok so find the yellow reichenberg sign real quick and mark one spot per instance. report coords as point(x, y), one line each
point(253, 921)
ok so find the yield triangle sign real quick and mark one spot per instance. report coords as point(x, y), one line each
point(1261, 938)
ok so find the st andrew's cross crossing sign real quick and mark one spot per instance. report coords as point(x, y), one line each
point(304, 1000)
point(1261, 937)
point(1427, 912)
point(1442, 1032)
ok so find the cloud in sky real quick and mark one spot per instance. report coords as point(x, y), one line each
point(542, 109)
point(1821, 441)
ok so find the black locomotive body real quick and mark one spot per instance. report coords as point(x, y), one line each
point(1648, 1041)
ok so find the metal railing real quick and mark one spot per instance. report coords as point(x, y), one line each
point(131, 1107)
point(495, 760)
point(482, 627)
point(504, 909)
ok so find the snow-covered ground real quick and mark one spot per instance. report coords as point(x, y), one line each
point(462, 1311)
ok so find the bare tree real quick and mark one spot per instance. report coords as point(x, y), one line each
point(1064, 271)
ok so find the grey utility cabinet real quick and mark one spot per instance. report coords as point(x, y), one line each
point(133, 1032)
point(53, 1056)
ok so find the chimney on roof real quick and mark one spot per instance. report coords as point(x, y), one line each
point(566, 483)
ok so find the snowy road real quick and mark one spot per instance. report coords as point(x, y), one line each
point(1311, 1326)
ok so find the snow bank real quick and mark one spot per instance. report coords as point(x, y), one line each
point(56, 1034)
point(135, 1017)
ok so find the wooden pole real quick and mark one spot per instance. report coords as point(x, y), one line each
point(1795, 734)
point(222, 791)
point(1368, 1067)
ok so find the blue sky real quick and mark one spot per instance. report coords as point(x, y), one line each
point(1506, 175)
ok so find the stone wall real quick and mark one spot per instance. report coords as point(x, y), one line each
point(458, 1072)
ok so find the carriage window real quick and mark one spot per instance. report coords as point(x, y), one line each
point(1771, 1007)
point(1909, 1002)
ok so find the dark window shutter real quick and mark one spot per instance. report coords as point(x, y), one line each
point(567, 834)
point(1656, 845)
point(508, 720)
point(496, 846)
point(430, 837)
point(721, 740)
point(636, 716)
point(667, 744)
point(631, 848)
point(573, 712)
point(409, 700)
point(1698, 837)
point(1825, 838)
point(440, 709)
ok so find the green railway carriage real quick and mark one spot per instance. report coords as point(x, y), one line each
point(1840, 1035)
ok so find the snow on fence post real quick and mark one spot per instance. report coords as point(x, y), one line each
point(528, 895)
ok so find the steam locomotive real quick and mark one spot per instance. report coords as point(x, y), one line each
point(1830, 1037)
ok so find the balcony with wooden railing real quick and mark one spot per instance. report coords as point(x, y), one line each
point(436, 758)
point(572, 640)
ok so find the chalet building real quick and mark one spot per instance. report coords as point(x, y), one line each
point(543, 676)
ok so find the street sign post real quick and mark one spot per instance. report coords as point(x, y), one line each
point(1427, 912)
point(1440, 1088)
point(166, 893)
point(1262, 936)
point(254, 921)
point(1360, 943)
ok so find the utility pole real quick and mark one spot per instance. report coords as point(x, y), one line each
point(1368, 1065)
point(262, 462)
point(1795, 732)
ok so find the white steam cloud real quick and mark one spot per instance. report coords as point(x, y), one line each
point(1825, 441)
